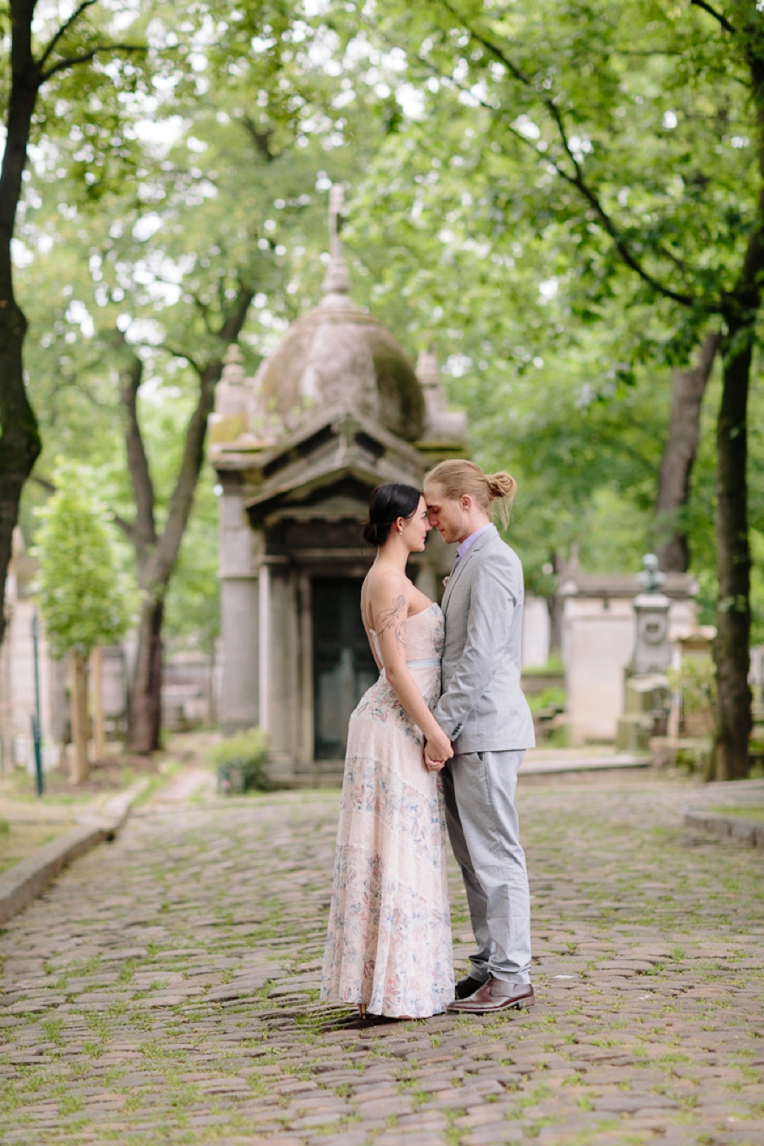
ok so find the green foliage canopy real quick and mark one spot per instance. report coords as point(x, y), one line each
point(83, 598)
point(233, 159)
point(459, 231)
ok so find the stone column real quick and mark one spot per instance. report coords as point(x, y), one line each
point(652, 647)
point(306, 673)
point(239, 603)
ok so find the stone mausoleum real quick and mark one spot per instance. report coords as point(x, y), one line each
point(337, 409)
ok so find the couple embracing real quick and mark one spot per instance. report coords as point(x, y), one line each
point(437, 741)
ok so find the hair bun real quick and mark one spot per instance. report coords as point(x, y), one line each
point(458, 476)
point(501, 484)
point(387, 503)
point(371, 533)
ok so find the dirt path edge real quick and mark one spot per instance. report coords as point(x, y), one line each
point(23, 882)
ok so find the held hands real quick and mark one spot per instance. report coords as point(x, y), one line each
point(437, 750)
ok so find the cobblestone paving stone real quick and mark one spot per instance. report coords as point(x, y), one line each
point(165, 990)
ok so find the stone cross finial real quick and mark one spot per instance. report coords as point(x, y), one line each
point(429, 378)
point(233, 366)
point(336, 203)
point(337, 280)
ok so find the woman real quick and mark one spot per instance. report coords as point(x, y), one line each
point(388, 949)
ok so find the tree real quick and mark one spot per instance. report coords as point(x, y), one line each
point(157, 550)
point(638, 135)
point(81, 593)
point(687, 392)
point(72, 44)
point(226, 210)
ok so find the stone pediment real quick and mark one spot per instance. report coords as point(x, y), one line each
point(623, 585)
point(326, 450)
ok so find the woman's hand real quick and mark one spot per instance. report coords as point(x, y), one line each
point(437, 750)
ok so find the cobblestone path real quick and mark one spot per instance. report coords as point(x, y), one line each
point(165, 990)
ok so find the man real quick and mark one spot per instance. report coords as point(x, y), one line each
point(484, 713)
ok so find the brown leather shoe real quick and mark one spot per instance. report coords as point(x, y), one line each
point(494, 995)
point(467, 987)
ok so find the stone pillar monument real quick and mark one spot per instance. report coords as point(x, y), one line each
point(652, 648)
point(646, 695)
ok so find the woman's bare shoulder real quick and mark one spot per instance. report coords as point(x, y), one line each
point(384, 580)
point(383, 589)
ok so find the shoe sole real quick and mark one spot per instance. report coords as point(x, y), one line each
point(520, 1005)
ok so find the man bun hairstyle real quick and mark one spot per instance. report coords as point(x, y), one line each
point(387, 503)
point(494, 492)
point(501, 485)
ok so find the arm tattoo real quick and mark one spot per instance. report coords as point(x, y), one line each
point(395, 619)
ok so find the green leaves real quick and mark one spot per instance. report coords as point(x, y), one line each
point(83, 598)
point(211, 156)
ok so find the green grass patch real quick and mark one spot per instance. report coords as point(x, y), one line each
point(750, 812)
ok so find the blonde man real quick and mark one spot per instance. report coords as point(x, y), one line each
point(486, 717)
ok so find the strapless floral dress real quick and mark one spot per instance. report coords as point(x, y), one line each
point(389, 938)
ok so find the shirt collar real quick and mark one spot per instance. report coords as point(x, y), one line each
point(470, 541)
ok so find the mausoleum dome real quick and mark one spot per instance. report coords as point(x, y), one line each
point(338, 353)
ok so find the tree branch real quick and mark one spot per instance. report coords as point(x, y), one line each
point(577, 179)
point(142, 533)
point(63, 30)
point(176, 352)
point(47, 485)
point(234, 320)
point(204, 311)
point(523, 139)
point(181, 502)
point(86, 57)
point(127, 527)
point(173, 351)
point(716, 15)
point(261, 139)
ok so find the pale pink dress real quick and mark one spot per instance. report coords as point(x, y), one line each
point(389, 939)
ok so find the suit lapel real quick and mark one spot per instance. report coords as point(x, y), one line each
point(473, 549)
point(452, 579)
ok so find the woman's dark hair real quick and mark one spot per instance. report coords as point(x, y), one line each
point(387, 503)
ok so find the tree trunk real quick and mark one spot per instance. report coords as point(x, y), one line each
point(733, 618)
point(145, 716)
point(555, 605)
point(157, 554)
point(19, 436)
point(733, 555)
point(99, 723)
point(80, 767)
point(687, 390)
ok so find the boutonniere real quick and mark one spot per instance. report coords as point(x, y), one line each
point(446, 580)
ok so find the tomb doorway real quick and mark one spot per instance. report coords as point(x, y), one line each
point(343, 665)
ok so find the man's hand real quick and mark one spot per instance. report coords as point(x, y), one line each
point(437, 751)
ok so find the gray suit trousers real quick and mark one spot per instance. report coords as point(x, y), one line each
point(479, 789)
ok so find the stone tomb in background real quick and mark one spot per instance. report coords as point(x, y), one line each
point(336, 410)
point(598, 634)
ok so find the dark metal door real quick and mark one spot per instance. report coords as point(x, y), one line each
point(343, 665)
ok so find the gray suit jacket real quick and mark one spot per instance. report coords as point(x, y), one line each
point(482, 708)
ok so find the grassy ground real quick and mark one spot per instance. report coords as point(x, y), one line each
point(106, 777)
point(17, 841)
point(751, 812)
point(28, 821)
